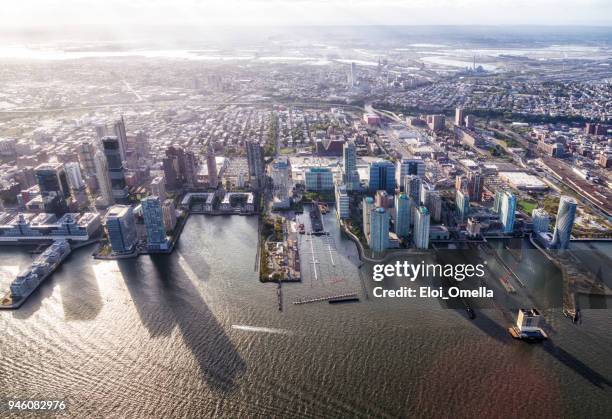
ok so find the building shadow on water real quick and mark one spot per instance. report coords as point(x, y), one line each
point(146, 290)
point(178, 303)
point(578, 366)
point(79, 291)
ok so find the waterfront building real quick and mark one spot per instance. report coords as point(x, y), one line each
point(402, 215)
point(319, 179)
point(506, 211)
point(564, 223)
point(412, 187)
point(111, 148)
point(158, 188)
point(473, 227)
point(367, 207)
point(462, 201)
point(103, 178)
point(46, 226)
point(255, 159)
point(382, 176)
point(54, 188)
point(169, 211)
point(540, 219)
point(412, 166)
point(421, 228)
point(379, 230)
point(154, 224)
point(459, 115)
point(342, 202)
point(280, 173)
point(350, 175)
point(121, 228)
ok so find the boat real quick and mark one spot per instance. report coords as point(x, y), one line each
point(344, 300)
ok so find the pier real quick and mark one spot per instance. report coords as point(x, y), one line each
point(326, 298)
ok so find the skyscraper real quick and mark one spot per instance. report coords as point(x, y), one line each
point(421, 228)
point(85, 152)
point(412, 187)
point(101, 131)
point(475, 184)
point(507, 210)
point(75, 179)
point(367, 207)
point(211, 165)
point(111, 147)
point(379, 230)
point(256, 164)
point(353, 75)
point(382, 176)
point(402, 215)
point(54, 188)
point(350, 175)
point(119, 131)
point(342, 202)
point(169, 211)
point(462, 201)
point(564, 223)
point(158, 188)
point(121, 228)
point(281, 182)
point(405, 167)
point(154, 223)
point(180, 168)
point(540, 219)
point(103, 177)
point(459, 116)
point(434, 205)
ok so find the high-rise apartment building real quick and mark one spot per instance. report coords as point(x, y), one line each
point(350, 174)
point(111, 148)
point(154, 224)
point(421, 228)
point(402, 215)
point(103, 178)
point(382, 176)
point(255, 159)
point(367, 207)
point(379, 230)
point(564, 223)
point(406, 167)
point(121, 228)
point(54, 188)
point(540, 219)
point(120, 133)
point(506, 211)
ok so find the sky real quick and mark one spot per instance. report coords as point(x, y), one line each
point(34, 14)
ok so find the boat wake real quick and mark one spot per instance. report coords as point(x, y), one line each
point(262, 329)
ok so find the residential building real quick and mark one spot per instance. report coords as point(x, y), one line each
point(564, 223)
point(379, 230)
point(319, 179)
point(402, 215)
point(154, 224)
point(421, 228)
point(121, 228)
point(382, 176)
